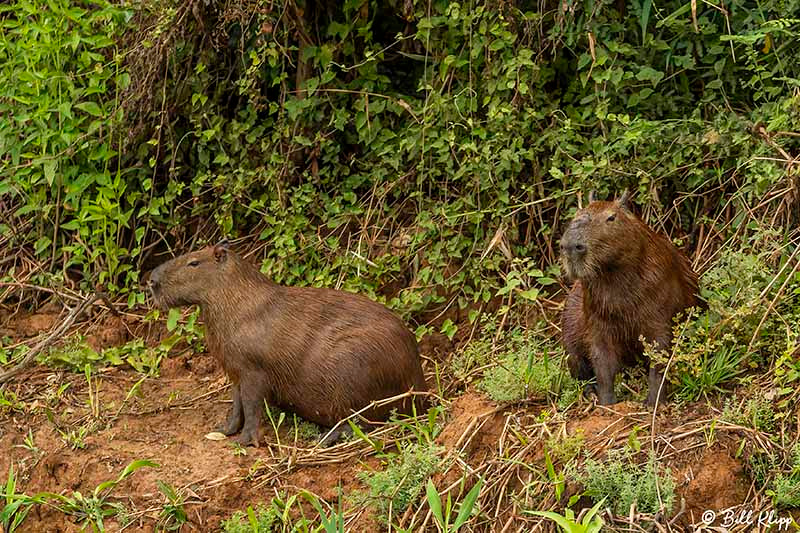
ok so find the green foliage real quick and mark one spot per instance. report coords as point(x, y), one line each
point(515, 364)
point(785, 489)
point(422, 154)
point(401, 481)
point(715, 347)
point(260, 520)
point(61, 134)
point(756, 413)
point(16, 506)
point(173, 515)
point(623, 482)
point(591, 523)
point(442, 516)
point(90, 510)
point(280, 516)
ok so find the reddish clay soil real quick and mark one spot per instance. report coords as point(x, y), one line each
point(166, 419)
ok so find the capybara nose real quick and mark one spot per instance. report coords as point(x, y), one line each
point(154, 280)
point(573, 248)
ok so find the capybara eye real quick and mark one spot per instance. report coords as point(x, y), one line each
point(611, 218)
point(194, 263)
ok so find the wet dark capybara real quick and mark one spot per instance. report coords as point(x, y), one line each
point(629, 281)
point(320, 353)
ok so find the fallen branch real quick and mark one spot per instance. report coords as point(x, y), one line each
point(56, 332)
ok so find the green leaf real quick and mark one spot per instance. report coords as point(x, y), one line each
point(434, 502)
point(531, 294)
point(467, 505)
point(90, 107)
point(645, 17)
point(172, 319)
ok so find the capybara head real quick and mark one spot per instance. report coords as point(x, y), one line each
point(191, 278)
point(599, 237)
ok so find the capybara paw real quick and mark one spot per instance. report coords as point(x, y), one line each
point(247, 438)
point(334, 436)
point(228, 428)
point(651, 400)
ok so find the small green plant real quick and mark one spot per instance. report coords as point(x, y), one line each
point(331, 523)
point(237, 448)
point(442, 516)
point(423, 428)
point(402, 480)
point(756, 413)
point(622, 482)
point(268, 519)
point(75, 438)
point(591, 522)
point(511, 366)
point(91, 510)
point(173, 514)
point(29, 444)
point(567, 447)
point(556, 478)
point(260, 520)
point(16, 506)
point(9, 401)
point(785, 487)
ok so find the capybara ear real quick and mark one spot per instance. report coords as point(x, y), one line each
point(221, 251)
point(624, 200)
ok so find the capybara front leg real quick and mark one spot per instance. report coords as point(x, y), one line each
point(580, 368)
point(252, 404)
point(235, 417)
point(606, 367)
point(655, 379)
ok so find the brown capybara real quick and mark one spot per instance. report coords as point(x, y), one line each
point(629, 283)
point(320, 353)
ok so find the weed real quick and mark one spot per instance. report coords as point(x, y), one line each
point(16, 506)
point(401, 481)
point(173, 514)
point(277, 517)
point(442, 516)
point(566, 448)
point(756, 413)
point(623, 483)
point(717, 346)
point(29, 444)
point(75, 438)
point(591, 523)
point(260, 520)
point(331, 523)
point(529, 363)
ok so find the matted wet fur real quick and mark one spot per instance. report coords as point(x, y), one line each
point(320, 353)
point(629, 282)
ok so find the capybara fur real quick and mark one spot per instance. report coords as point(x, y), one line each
point(629, 282)
point(320, 353)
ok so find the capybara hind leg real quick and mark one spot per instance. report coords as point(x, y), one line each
point(252, 404)
point(235, 418)
point(655, 379)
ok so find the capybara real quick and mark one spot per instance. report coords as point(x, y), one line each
point(629, 283)
point(320, 353)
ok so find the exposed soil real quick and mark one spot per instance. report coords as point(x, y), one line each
point(166, 419)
